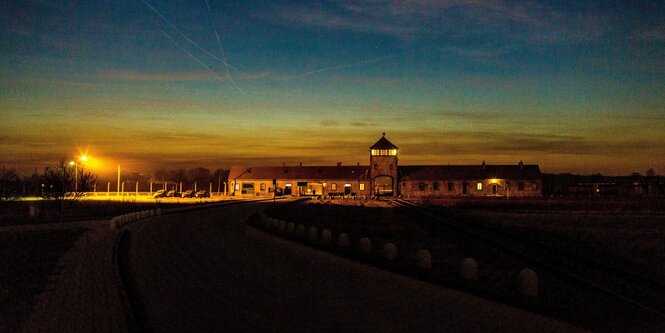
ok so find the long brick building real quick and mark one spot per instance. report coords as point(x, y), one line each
point(384, 177)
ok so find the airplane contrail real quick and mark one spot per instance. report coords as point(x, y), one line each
point(154, 10)
point(217, 76)
point(294, 76)
point(219, 42)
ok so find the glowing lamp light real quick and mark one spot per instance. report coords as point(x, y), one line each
point(494, 181)
point(84, 158)
point(72, 163)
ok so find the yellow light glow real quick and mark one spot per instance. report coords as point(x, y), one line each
point(71, 163)
point(494, 181)
point(84, 158)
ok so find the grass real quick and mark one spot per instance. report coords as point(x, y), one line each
point(632, 241)
point(627, 234)
point(17, 212)
point(28, 259)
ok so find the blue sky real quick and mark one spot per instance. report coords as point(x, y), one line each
point(572, 86)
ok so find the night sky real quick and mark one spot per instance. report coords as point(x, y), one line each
point(573, 86)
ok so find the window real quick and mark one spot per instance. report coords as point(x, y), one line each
point(479, 186)
point(451, 186)
point(333, 187)
point(376, 166)
point(247, 188)
point(520, 186)
point(263, 186)
point(384, 152)
point(362, 186)
point(237, 186)
point(435, 186)
point(422, 186)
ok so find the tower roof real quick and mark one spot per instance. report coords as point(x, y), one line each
point(383, 143)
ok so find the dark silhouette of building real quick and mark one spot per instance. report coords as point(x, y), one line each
point(384, 177)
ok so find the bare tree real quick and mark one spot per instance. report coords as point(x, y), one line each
point(201, 176)
point(61, 183)
point(57, 180)
point(10, 184)
point(178, 175)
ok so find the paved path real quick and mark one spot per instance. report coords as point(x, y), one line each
point(87, 224)
point(208, 271)
point(85, 297)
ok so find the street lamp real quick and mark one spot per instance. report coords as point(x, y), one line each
point(76, 171)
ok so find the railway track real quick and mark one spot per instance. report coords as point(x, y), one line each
point(634, 290)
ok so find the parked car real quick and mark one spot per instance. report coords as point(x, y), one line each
point(173, 194)
point(188, 194)
point(159, 194)
point(203, 194)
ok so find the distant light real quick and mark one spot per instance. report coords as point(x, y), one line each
point(71, 163)
point(84, 158)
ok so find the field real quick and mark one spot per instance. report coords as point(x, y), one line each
point(623, 233)
point(18, 212)
point(627, 234)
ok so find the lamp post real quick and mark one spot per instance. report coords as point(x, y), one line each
point(118, 188)
point(76, 171)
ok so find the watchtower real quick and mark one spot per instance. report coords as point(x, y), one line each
point(383, 167)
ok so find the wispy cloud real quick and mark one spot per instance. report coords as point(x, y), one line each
point(650, 34)
point(174, 76)
point(526, 21)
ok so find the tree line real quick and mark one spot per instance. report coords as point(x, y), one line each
point(62, 179)
point(54, 182)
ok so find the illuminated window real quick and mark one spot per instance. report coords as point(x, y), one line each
point(237, 186)
point(479, 186)
point(362, 186)
point(451, 186)
point(435, 186)
point(383, 152)
point(422, 186)
point(263, 186)
point(333, 187)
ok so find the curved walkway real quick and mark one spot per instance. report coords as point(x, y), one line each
point(208, 271)
point(86, 296)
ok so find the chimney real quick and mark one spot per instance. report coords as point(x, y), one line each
point(339, 163)
point(483, 165)
point(358, 163)
point(300, 163)
point(521, 165)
